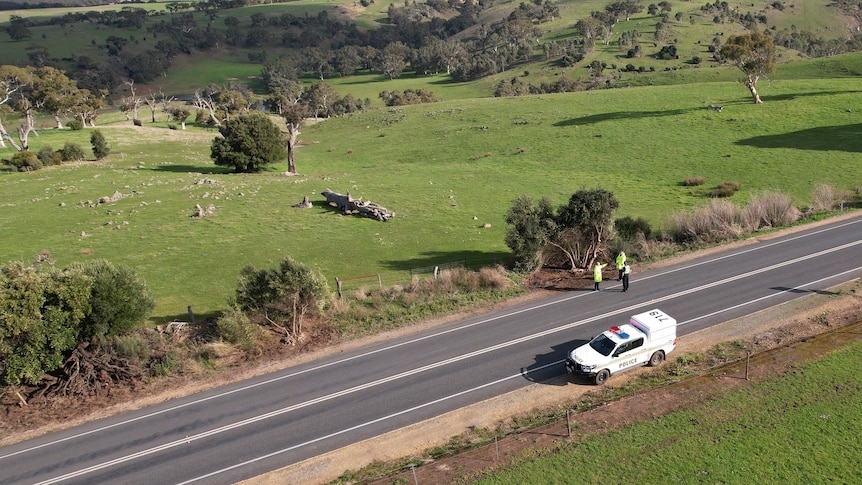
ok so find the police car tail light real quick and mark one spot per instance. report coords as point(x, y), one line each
point(616, 330)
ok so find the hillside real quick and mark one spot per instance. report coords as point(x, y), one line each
point(179, 49)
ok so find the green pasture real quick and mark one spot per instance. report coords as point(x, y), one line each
point(447, 169)
point(802, 427)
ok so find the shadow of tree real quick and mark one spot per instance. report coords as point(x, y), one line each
point(846, 138)
point(467, 259)
point(622, 115)
point(193, 169)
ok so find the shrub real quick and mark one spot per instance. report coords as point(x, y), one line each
point(823, 198)
point(718, 221)
point(694, 181)
point(165, 365)
point(628, 228)
point(100, 145)
point(133, 347)
point(772, 209)
point(137, 122)
point(25, 161)
point(48, 156)
point(725, 189)
point(75, 125)
point(72, 152)
point(234, 327)
point(283, 294)
point(119, 300)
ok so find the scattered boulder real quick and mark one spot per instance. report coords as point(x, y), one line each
point(201, 212)
point(305, 204)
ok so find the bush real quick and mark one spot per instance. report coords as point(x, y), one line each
point(100, 145)
point(25, 161)
point(137, 122)
point(234, 327)
point(48, 156)
point(628, 228)
point(75, 125)
point(283, 294)
point(725, 189)
point(694, 181)
point(72, 152)
point(823, 198)
point(133, 347)
point(119, 300)
point(772, 209)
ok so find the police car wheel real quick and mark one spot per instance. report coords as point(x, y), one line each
point(602, 376)
point(656, 359)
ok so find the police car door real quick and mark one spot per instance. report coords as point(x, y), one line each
point(628, 355)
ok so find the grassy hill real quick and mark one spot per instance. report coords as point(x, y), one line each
point(447, 169)
point(450, 170)
point(692, 34)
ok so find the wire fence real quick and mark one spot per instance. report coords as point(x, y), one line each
point(346, 285)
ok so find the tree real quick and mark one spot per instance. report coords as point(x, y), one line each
point(754, 55)
point(393, 59)
point(531, 228)
point(41, 308)
point(19, 28)
point(180, 114)
point(584, 224)
point(55, 93)
point(132, 102)
point(282, 296)
point(100, 145)
point(12, 80)
point(319, 98)
point(294, 117)
point(248, 143)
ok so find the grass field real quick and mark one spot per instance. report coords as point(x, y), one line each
point(446, 169)
point(802, 427)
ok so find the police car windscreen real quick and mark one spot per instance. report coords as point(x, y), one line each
point(602, 345)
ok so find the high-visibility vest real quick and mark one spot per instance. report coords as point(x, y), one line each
point(621, 260)
point(597, 272)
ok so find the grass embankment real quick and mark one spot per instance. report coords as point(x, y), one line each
point(800, 427)
point(447, 170)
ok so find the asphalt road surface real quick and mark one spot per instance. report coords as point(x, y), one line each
point(242, 430)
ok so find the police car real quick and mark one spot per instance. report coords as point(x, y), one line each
point(645, 340)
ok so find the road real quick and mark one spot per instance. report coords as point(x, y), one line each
point(242, 430)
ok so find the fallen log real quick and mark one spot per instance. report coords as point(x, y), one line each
point(349, 205)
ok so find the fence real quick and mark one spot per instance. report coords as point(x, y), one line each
point(349, 284)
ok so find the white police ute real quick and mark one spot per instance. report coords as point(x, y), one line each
point(645, 340)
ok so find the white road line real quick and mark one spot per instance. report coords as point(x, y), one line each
point(442, 363)
point(407, 342)
point(467, 391)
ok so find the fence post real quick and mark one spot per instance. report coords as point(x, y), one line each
point(747, 359)
point(436, 269)
point(379, 281)
point(191, 314)
point(338, 285)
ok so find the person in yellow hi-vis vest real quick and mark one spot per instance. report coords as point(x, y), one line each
point(597, 275)
point(621, 262)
